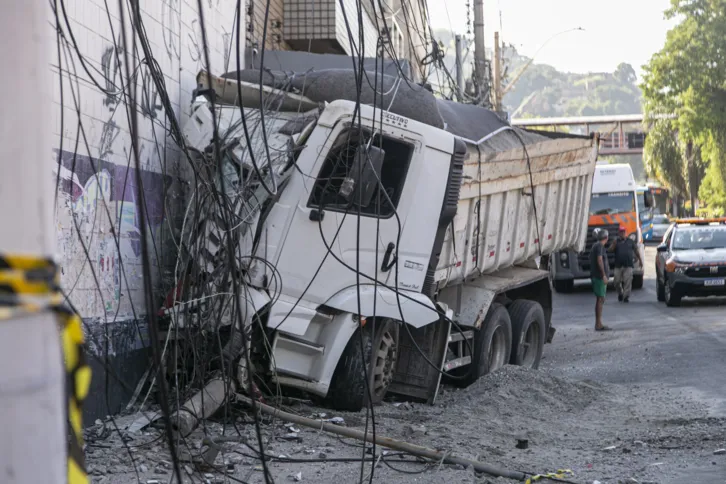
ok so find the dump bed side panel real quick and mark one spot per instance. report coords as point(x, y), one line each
point(516, 205)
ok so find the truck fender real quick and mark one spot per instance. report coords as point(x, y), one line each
point(416, 309)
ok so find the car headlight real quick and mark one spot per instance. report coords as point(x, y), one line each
point(673, 265)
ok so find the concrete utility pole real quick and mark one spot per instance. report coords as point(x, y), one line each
point(497, 101)
point(459, 70)
point(479, 53)
point(32, 398)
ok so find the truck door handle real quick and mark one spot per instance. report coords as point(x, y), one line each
point(387, 262)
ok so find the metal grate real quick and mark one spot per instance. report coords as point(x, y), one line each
point(583, 258)
point(706, 271)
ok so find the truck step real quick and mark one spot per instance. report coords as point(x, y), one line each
point(461, 336)
point(451, 364)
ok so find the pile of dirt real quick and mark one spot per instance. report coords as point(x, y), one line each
point(523, 390)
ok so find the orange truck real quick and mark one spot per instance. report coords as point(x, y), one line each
point(613, 204)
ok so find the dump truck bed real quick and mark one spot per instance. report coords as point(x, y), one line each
point(516, 205)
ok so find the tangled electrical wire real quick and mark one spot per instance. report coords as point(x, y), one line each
point(196, 257)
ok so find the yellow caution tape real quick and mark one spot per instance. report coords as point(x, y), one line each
point(30, 285)
point(559, 474)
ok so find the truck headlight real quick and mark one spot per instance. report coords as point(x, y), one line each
point(563, 256)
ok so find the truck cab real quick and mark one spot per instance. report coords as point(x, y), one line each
point(613, 204)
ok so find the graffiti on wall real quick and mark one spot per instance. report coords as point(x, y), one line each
point(102, 200)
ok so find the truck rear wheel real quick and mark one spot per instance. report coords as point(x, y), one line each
point(528, 333)
point(492, 347)
point(638, 281)
point(348, 390)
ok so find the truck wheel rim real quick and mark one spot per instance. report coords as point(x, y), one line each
point(385, 364)
point(529, 345)
point(497, 350)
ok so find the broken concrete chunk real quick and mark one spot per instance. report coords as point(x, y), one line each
point(719, 452)
point(415, 430)
point(296, 477)
point(610, 448)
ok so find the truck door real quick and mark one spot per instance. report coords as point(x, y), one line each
point(328, 246)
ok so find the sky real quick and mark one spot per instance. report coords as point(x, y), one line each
point(615, 31)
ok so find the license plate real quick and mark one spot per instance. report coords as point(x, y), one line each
point(714, 282)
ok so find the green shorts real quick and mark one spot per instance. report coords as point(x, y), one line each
point(598, 286)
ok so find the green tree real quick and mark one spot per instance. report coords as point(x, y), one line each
point(687, 77)
point(625, 73)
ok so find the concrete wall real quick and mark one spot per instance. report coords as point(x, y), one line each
point(97, 196)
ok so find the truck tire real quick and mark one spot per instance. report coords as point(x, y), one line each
point(638, 281)
point(672, 295)
point(348, 390)
point(528, 333)
point(492, 347)
point(564, 286)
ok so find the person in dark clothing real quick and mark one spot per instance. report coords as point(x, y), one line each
point(599, 270)
point(626, 252)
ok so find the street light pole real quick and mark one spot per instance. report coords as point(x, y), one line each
point(32, 397)
point(497, 74)
point(459, 70)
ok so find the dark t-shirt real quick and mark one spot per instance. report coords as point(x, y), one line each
point(595, 251)
point(624, 252)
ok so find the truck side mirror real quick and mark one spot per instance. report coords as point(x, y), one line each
point(648, 199)
point(363, 177)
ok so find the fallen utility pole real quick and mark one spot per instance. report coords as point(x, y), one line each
point(413, 449)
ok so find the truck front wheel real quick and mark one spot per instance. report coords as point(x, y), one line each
point(348, 390)
point(528, 333)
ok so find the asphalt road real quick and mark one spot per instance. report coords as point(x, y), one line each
point(677, 348)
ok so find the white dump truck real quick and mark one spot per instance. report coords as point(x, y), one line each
point(403, 243)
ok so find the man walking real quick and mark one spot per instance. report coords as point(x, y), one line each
point(599, 270)
point(625, 254)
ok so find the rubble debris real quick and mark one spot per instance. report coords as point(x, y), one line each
point(413, 449)
point(296, 477)
point(415, 431)
point(610, 448)
point(522, 444)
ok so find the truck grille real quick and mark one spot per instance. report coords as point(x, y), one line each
point(706, 271)
point(583, 258)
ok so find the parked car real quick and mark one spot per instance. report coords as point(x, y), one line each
point(691, 261)
point(661, 223)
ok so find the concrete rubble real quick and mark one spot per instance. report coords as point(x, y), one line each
point(484, 421)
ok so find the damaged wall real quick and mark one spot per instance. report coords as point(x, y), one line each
point(93, 164)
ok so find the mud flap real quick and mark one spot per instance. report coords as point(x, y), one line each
point(415, 378)
point(550, 334)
